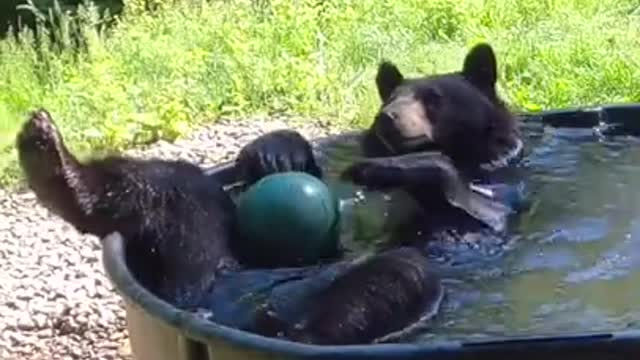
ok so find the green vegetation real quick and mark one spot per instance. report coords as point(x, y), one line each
point(157, 74)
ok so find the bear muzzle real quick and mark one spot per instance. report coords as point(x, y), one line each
point(403, 126)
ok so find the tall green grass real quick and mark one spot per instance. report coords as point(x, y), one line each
point(156, 75)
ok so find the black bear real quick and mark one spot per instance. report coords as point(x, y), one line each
point(162, 208)
point(178, 226)
point(430, 136)
point(458, 114)
point(433, 129)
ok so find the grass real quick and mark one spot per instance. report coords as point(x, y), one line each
point(159, 75)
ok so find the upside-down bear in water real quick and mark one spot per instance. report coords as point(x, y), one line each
point(162, 208)
point(179, 227)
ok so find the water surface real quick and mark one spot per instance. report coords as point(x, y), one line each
point(571, 261)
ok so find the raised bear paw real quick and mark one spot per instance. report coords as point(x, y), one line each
point(275, 152)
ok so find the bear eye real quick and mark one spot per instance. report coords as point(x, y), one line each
point(431, 97)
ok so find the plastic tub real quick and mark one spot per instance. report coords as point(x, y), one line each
point(159, 331)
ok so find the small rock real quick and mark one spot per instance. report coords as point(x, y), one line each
point(76, 352)
point(25, 322)
point(40, 320)
point(81, 320)
point(24, 294)
point(90, 288)
point(88, 254)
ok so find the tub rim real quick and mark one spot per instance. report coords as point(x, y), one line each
point(203, 330)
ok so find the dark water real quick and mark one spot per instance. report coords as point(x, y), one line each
point(572, 263)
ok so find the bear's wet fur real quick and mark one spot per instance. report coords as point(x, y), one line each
point(377, 300)
point(176, 220)
point(178, 223)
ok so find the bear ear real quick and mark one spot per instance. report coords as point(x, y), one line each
point(387, 79)
point(480, 66)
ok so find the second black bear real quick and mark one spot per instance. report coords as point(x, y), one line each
point(162, 208)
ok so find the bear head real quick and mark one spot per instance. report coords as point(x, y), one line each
point(458, 113)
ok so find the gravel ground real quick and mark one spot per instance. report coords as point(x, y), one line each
point(55, 299)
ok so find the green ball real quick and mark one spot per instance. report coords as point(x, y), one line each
point(288, 219)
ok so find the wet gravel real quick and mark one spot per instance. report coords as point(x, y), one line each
point(55, 299)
